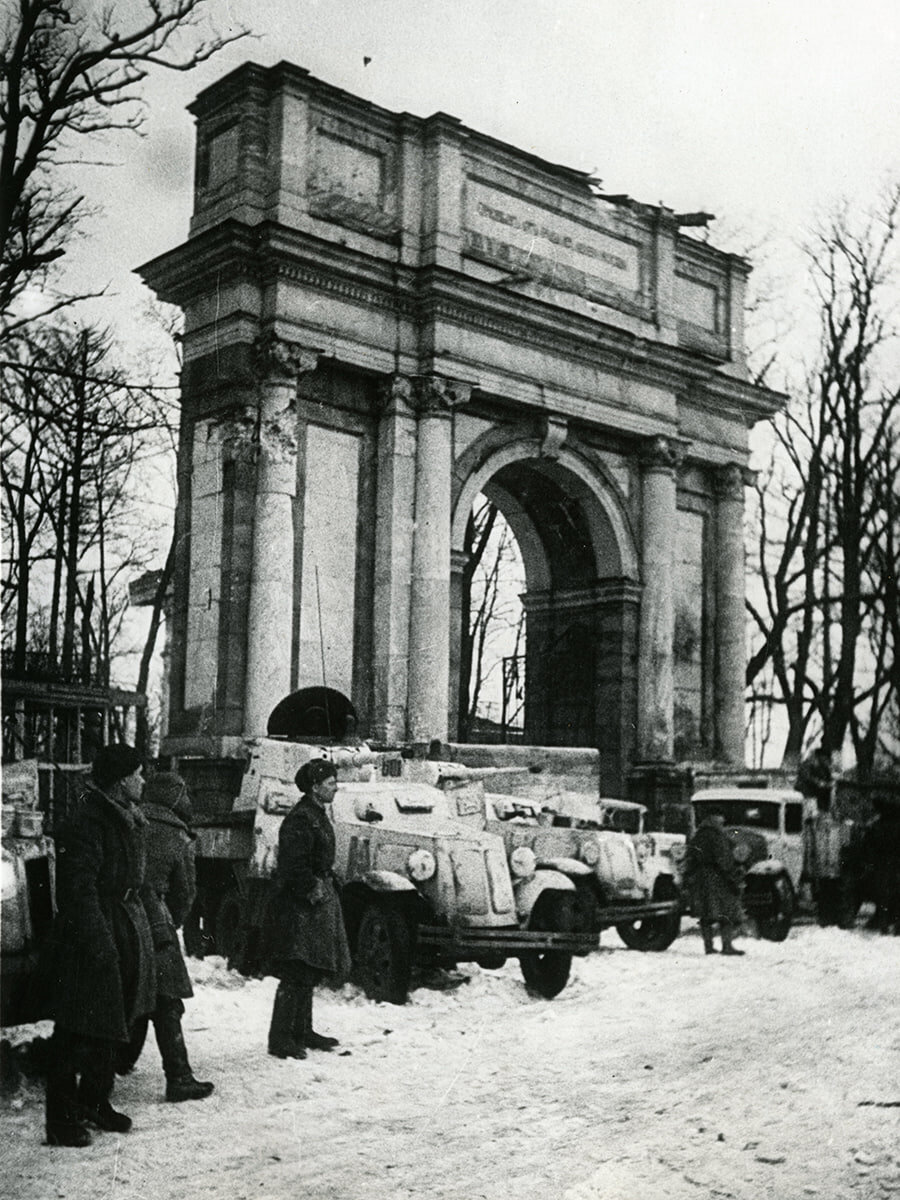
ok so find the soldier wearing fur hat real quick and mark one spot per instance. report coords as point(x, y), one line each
point(310, 942)
point(101, 954)
point(168, 893)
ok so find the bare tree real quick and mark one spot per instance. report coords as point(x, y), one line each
point(70, 72)
point(73, 431)
point(491, 614)
point(825, 521)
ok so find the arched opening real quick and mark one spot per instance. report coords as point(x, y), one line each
point(576, 673)
point(492, 630)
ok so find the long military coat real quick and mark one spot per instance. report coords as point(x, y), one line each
point(169, 891)
point(101, 962)
point(307, 923)
point(714, 877)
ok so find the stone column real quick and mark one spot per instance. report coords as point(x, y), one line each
point(429, 618)
point(271, 609)
point(394, 517)
point(656, 673)
point(730, 643)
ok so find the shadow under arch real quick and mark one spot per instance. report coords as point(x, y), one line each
point(581, 601)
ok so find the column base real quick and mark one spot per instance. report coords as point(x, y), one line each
point(665, 788)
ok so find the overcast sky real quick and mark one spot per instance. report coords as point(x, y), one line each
point(764, 112)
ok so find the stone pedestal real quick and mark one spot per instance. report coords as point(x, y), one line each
point(666, 791)
point(731, 655)
point(271, 608)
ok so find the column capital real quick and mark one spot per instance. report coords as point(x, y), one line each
point(238, 433)
point(661, 453)
point(436, 395)
point(396, 396)
point(278, 359)
point(730, 480)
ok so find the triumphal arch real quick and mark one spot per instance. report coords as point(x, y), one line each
point(387, 315)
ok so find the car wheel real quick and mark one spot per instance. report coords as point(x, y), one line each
point(776, 924)
point(383, 959)
point(546, 972)
point(654, 934)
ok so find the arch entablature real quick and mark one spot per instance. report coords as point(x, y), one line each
point(584, 480)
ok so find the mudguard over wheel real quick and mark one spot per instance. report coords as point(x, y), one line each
point(776, 924)
point(547, 972)
point(384, 949)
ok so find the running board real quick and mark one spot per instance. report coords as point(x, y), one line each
point(509, 941)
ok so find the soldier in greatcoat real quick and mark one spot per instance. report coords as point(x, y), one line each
point(100, 963)
point(713, 878)
point(309, 940)
point(168, 894)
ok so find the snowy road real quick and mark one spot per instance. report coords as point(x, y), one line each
point(663, 1076)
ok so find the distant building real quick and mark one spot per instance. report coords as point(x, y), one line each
point(386, 315)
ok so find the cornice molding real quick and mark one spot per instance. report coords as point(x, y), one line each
point(270, 252)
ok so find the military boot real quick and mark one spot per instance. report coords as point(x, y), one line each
point(64, 1125)
point(94, 1108)
point(286, 1015)
point(728, 946)
point(180, 1081)
point(304, 1032)
point(707, 931)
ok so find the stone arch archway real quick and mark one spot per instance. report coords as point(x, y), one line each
point(581, 570)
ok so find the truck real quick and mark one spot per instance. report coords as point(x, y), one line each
point(418, 884)
point(766, 827)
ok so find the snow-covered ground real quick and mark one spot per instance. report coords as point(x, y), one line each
point(650, 1077)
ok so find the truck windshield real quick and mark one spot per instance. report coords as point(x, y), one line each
point(759, 814)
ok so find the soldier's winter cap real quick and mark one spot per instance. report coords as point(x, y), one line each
point(313, 772)
point(113, 763)
point(168, 790)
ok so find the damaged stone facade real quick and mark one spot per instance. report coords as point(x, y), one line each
point(386, 315)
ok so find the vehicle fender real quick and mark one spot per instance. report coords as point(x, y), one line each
point(568, 866)
point(528, 890)
point(387, 881)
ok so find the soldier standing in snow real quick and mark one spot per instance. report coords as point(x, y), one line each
point(100, 952)
point(309, 937)
point(168, 894)
point(713, 878)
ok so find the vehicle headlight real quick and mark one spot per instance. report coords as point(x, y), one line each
point(421, 865)
point(522, 861)
point(741, 852)
point(590, 852)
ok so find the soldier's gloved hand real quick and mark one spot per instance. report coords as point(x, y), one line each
point(317, 895)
